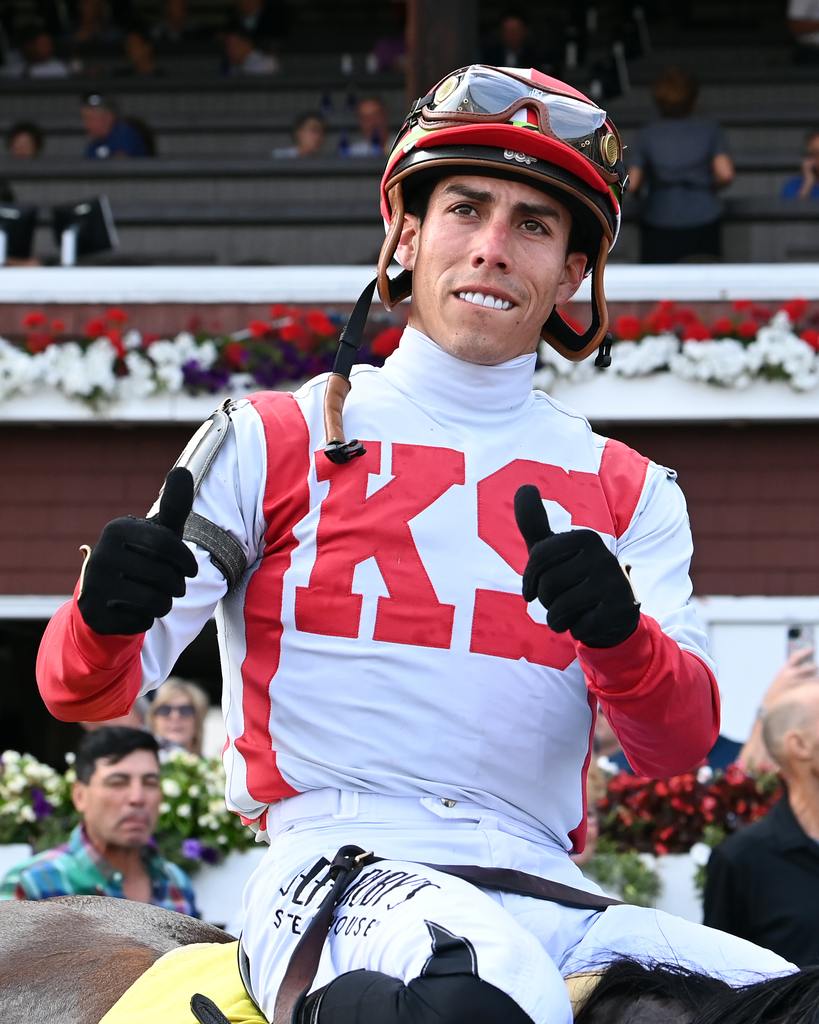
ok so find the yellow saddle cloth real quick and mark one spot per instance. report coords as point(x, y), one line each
point(164, 991)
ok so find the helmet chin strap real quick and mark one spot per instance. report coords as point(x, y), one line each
point(336, 447)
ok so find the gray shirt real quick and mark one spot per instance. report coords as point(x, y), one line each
point(675, 155)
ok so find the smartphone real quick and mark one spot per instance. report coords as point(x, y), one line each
point(799, 636)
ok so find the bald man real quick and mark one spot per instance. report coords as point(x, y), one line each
point(762, 883)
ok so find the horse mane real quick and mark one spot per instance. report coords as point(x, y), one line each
point(787, 999)
point(630, 992)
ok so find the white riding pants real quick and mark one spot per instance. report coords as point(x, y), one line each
point(394, 912)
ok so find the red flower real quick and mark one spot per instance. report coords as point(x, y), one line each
point(795, 308)
point(659, 322)
point(38, 341)
point(722, 325)
point(234, 355)
point(747, 328)
point(278, 310)
point(115, 337)
point(259, 328)
point(386, 342)
point(320, 323)
point(812, 338)
point(94, 328)
point(295, 334)
point(58, 326)
point(116, 316)
point(627, 327)
point(34, 319)
point(696, 331)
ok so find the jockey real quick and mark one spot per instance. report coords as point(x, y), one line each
point(385, 684)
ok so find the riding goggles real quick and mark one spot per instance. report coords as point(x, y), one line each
point(483, 95)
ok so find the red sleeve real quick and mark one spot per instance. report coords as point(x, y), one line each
point(83, 676)
point(661, 701)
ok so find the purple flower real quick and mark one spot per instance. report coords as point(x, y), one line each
point(192, 849)
point(42, 807)
point(199, 379)
point(195, 849)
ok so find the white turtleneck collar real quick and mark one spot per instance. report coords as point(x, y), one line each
point(435, 379)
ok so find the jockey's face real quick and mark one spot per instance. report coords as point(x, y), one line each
point(119, 804)
point(505, 241)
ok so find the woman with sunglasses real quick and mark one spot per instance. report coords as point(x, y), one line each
point(385, 683)
point(177, 716)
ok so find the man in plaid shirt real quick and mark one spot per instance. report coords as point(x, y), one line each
point(117, 794)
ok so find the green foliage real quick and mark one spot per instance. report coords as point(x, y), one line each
point(624, 874)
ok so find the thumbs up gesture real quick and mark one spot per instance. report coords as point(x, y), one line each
point(139, 565)
point(575, 577)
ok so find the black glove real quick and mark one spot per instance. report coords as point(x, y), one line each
point(139, 565)
point(575, 577)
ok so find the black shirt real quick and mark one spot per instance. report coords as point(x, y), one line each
point(762, 884)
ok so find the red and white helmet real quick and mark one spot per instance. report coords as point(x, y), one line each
point(524, 125)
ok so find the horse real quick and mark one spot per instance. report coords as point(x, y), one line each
point(68, 960)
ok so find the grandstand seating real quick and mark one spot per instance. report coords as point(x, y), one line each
point(214, 193)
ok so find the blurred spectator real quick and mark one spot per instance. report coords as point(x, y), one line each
point(803, 24)
point(41, 62)
point(798, 669)
point(512, 45)
point(243, 58)
point(373, 129)
point(176, 25)
point(95, 24)
point(139, 49)
point(806, 184)
point(177, 715)
point(262, 20)
point(677, 165)
point(24, 140)
point(309, 133)
point(117, 795)
point(108, 134)
point(389, 52)
point(762, 883)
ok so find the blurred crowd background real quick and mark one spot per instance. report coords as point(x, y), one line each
point(204, 116)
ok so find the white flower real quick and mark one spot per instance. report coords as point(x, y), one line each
point(606, 765)
point(705, 774)
point(193, 790)
point(10, 757)
point(140, 381)
point(164, 807)
point(184, 810)
point(70, 757)
point(27, 814)
point(171, 788)
point(700, 853)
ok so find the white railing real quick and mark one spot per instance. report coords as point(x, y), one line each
point(328, 284)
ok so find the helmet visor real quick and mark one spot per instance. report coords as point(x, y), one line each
point(481, 94)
